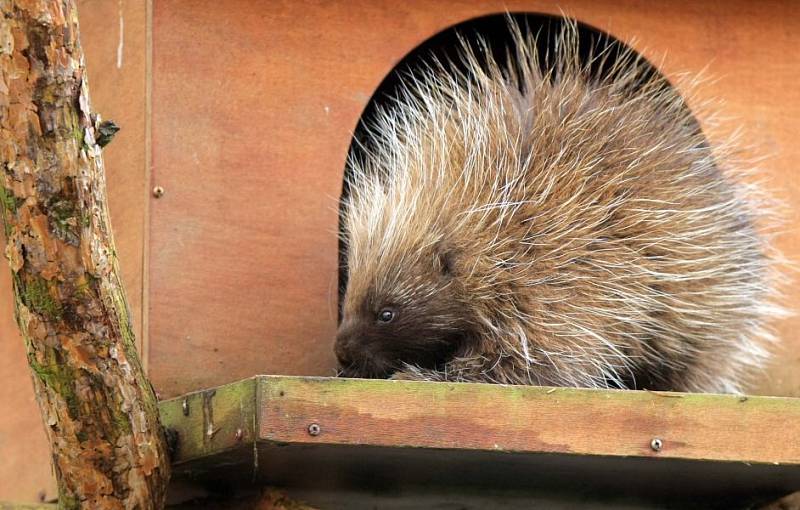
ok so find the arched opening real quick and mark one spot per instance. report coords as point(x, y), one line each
point(444, 47)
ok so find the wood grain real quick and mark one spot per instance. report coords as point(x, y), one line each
point(251, 126)
point(530, 419)
point(383, 439)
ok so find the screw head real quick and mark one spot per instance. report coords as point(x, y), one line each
point(656, 444)
point(185, 407)
point(314, 429)
point(158, 192)
point(239, 434)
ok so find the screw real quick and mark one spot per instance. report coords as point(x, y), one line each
point(656, 444)
point(158, 192)
point(314, 429)
point(185, 407)
point(239, 434)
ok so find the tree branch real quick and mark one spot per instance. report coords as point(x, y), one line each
point(99, 409)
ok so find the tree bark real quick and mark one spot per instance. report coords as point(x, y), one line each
point(99, 409)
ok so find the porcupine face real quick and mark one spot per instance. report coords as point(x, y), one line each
point(410, 317)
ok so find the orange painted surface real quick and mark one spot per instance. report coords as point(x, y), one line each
point(253, 107)
point(254, 104)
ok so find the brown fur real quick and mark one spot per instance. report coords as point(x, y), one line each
point(555, 229)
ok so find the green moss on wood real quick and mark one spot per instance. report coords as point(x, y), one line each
point(7, 200)
point(82, 435)
point(64, 219)
point(60, 379)
point(67, 501)
point(36, 295)
point(122, 423)
point(8, 205)
point(86, 286)
point(233, 407)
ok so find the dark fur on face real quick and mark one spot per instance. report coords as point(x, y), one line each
point(382, 331)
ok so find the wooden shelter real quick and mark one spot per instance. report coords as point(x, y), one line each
point(236, 121)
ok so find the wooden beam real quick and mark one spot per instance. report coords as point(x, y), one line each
point(530, 419)
point(375, 435)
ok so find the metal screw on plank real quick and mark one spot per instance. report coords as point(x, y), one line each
point(239, 434)
point(656, 444)
point(185, 407)
point(158, 192)
point(314, 429)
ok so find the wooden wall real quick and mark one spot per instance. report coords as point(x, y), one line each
point(252, 105)
point(252, 121)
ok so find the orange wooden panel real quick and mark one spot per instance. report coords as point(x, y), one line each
point(118, 93)
point(254, 103)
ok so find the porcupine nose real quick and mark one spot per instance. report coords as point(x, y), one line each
point(342, 354)
point(344, 346)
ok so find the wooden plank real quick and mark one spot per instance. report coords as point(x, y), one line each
point(252, 123)
point(389, 437)
point(530, 419)
point(212, 421)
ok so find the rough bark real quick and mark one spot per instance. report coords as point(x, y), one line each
point(99, 410)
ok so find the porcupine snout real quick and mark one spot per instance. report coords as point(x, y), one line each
point(343, 348)
point(356, 357)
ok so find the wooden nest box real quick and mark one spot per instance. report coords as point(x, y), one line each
point(224, 183)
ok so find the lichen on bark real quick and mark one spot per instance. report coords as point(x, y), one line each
point(99, 410)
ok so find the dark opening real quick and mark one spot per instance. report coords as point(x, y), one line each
point(444, 47)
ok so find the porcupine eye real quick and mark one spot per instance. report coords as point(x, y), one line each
point(385, 315)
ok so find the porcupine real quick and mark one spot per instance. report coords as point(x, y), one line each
point(542, 223)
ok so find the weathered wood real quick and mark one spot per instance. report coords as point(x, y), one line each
point(212, 421)
point(531, 419)
point(374, 435)
point(524, 419)
point(98, 407)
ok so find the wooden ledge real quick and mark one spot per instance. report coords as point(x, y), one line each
point(394, 435)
